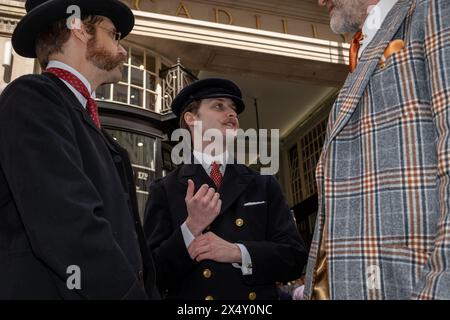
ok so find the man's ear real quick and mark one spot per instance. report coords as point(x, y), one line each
point(189, 118)
point(80, 32)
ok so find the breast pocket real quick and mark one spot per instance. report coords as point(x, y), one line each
point(398, 84)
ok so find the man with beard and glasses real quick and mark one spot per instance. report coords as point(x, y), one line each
point(383, 225)
point(69, 223)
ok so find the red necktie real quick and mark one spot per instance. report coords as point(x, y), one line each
point(216, 175)
point(354, 49)
point(75, 82)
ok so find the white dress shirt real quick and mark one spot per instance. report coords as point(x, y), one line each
point(373, 22)
point(78, 95)
point(206, 160)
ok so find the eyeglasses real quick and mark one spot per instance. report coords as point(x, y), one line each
point(116, 36)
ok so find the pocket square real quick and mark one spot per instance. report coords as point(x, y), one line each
point(249, 204)
point(393, 47)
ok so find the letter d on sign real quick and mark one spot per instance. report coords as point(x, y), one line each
point(74, 280)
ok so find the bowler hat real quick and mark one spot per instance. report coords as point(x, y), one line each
point(207, 89)
point(41, 14)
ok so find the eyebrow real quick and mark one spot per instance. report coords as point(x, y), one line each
point(222, 100)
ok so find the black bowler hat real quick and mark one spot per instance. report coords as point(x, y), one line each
point(41, 14)
point(207, 89)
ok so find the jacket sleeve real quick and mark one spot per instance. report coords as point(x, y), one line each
point(165, 241)
point(282, 255)
point(59, 206)
point(434, 282)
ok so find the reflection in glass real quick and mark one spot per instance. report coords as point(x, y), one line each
point(137, 77)
point(142, 152)
point(120, 93)
point(150, 101)
point(150, 81)
point(137, 57)
point(136, 97)
point(103, 92)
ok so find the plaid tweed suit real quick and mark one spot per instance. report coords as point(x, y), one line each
point(384, 173)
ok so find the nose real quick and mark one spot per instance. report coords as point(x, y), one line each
point(122, 51)
point(232, 113)
point(322, 3)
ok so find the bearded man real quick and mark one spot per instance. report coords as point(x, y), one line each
point(383, 224)
point(69, 224)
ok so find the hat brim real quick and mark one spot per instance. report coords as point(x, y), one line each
point(43, 16)
point(190, 94)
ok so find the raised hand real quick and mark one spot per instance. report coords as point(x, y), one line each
point(203, 207)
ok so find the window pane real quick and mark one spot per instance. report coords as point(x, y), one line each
point(125, 74)
point(137, 77)
point(103, 92)
point(151, 101)
point(151, 63)
point(120, 93)
point(151, 81)
point(136, 97)
point(137, 57)
point(141, 150)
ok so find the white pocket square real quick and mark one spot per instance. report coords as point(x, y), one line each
point(249, 204)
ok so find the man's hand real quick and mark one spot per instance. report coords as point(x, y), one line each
point(209, 246)
point(203, 207)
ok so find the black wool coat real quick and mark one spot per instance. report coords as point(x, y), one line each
point(67, 198)
point(254, 212)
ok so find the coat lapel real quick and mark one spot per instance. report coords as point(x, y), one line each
point(357, 82)
point(234, 183)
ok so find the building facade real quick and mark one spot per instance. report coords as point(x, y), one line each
point(282, 54)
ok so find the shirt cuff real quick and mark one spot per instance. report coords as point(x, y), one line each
point(188, 237)
point(246, 267)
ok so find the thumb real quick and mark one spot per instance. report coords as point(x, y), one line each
point(190, 190)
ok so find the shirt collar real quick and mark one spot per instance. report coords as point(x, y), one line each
point(370, 28)
point(62, 65)
point(206, 160)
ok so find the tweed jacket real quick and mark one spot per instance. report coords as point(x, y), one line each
point(384, 174)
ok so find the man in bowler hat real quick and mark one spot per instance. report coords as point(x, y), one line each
point(69, 225)
point(219, 230)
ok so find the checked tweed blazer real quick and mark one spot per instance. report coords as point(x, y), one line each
point(384, 173)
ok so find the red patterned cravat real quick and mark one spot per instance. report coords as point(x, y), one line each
point(75, 82)
point(216, 175)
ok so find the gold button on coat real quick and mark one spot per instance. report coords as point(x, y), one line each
point(207, 273)
point(239, 222)
point(252, 296)
point(209, 298)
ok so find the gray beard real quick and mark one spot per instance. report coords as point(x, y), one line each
point(348, 16)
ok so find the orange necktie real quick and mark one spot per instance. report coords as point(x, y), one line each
point(354, 49)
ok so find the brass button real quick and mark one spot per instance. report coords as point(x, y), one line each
point(252, 296)
point(209, 298)
point(239, 222)
point(207, 273)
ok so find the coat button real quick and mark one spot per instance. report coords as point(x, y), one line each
point(207, 273)
point(209, 298)
point(141, 275)
point(239, 222)
point(252, 296)
point(117, 159)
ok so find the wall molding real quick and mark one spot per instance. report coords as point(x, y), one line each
point(221, 35)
